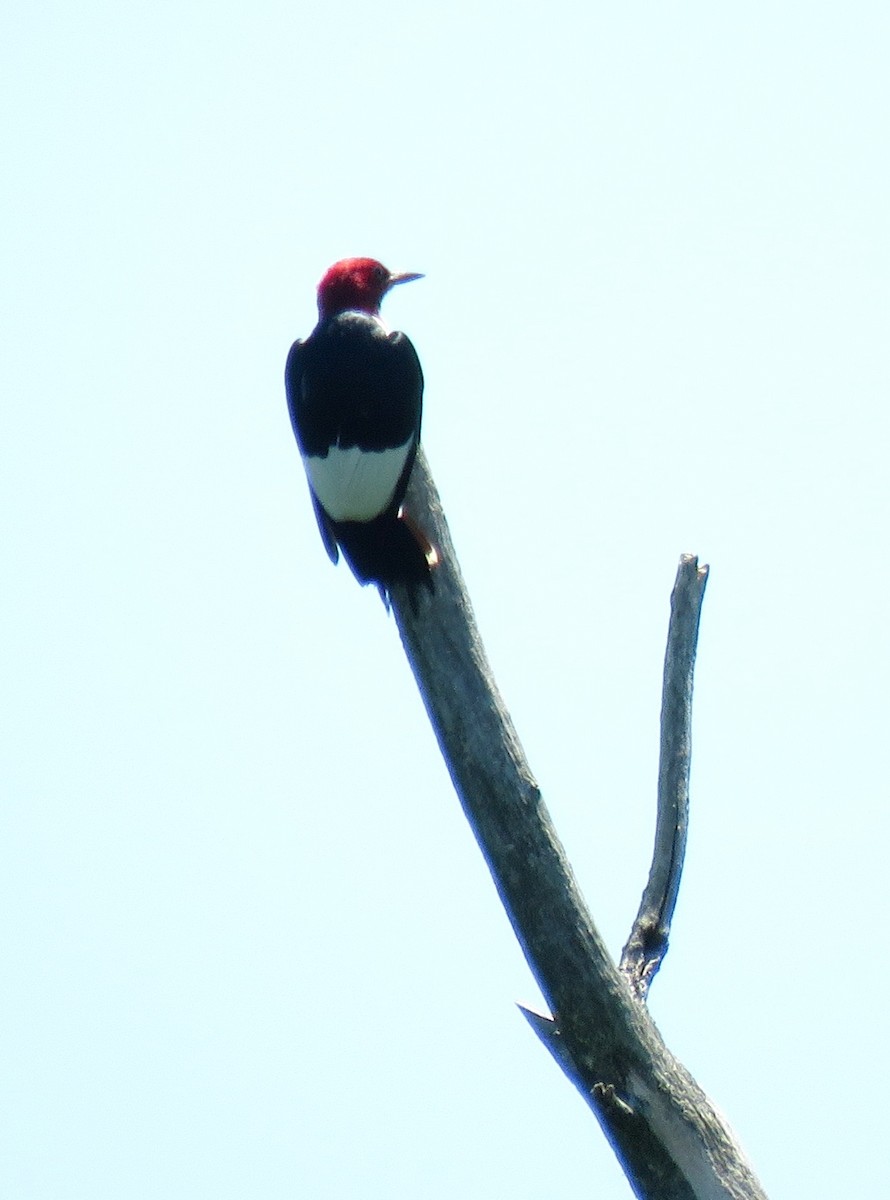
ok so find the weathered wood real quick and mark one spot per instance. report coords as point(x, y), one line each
point(671, 1142)
point(648, 941)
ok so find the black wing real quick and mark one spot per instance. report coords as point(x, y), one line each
point(354, 384)
point(293, 387)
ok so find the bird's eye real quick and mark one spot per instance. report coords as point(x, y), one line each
point(380, 273)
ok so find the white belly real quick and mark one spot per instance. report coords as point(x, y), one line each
point(354, 484)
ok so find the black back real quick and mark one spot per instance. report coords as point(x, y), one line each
point(351, 383)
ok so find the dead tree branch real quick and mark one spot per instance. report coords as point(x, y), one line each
point(672, 1143)
point(648, 941)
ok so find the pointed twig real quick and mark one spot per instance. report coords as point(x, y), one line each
point(548, 1031)
point(670, 1140)
point(648, 941)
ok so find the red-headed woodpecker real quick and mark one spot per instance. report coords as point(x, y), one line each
point(354, 391)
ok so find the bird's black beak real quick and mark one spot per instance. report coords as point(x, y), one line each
point(402, 277)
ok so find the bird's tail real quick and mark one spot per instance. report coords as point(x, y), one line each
point(389, 550)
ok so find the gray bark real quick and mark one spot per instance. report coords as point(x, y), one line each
point(669, 1138)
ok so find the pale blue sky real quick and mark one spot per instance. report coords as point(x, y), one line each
point(250, 949)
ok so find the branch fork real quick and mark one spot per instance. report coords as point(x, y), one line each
point(671, 1141)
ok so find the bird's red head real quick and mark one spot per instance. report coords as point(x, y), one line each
point(357, 284)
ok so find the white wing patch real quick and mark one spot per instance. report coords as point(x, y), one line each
point(355, 484)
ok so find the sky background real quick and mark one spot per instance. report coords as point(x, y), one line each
point(249, 947)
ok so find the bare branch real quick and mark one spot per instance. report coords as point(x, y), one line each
point(648, 941)
point(672, 1143)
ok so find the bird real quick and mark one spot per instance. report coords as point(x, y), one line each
point(355, 397)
